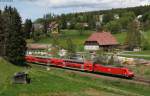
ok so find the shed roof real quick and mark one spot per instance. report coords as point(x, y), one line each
point(38, 46)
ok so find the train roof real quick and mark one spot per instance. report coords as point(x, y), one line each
point(42, 57)
point(71, 60)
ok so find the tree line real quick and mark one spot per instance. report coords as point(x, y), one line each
point(110, 23)
point(12, 38)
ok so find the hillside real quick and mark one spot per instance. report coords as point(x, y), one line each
point(80, 39)
point(6, 72)
point(59, 82)
point(77, 38)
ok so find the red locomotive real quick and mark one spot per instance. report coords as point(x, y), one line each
point(82, 65)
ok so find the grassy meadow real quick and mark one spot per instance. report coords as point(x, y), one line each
point(59, 82)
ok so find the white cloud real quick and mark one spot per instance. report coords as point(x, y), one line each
point(90, 3)
point(36, 8)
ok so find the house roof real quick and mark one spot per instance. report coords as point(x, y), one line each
point(103, 38)
point(37, 46)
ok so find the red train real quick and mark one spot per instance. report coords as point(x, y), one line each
point(80, 65)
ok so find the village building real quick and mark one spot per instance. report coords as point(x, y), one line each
point(68, 24)
point(139, 16)
point(99, 18)
point(38, 49)
point(116, 16)
point(84, 24)
point(100, 40)
point(53, 27)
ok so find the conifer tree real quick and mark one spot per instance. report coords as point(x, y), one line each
point(14, 37)
point(45, 29)
point(1, 35)
point(7, 28)
point(28, 28)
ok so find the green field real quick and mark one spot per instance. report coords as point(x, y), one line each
point(59, 82)
point(145, 52)
point(80, 39)
point(77, 39)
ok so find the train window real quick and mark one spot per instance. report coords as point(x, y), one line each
point(77, 62)
point(66, 61)
point(39, 58)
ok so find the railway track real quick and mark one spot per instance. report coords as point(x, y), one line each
point(135, 80)
point(141, 79)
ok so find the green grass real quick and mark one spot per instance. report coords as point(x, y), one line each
point(59, 82)
point(147, 34)
point(6, 72)
point(121, 37)
point(137, 57)
point(145, 52)
point(141, 55)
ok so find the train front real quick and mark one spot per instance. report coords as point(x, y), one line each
point(129, 73)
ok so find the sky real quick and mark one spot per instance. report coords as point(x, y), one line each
point(33, 9)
